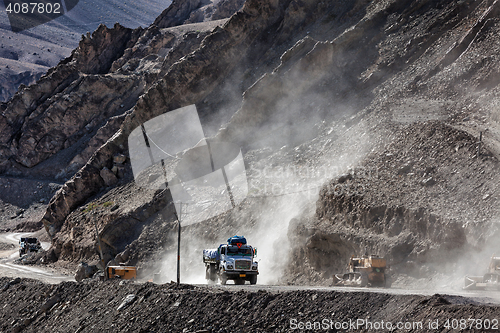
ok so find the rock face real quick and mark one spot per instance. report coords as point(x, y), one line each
point(24, 58)
point(194, 11)
point(391, 95)
point(11, 81)
point(394, 211)
point(102, 79)
point(57, 98)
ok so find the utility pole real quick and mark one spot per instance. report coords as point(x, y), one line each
point(179, 220)
point(100, 247)
point(148, 145)
point(179, 246)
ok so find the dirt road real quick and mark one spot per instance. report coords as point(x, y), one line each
point(477, 296)
point(8, 267)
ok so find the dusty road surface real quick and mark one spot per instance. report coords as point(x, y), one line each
point(476, 296)
point(8, 267)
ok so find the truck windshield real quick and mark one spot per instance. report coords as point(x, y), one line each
point(234, 251)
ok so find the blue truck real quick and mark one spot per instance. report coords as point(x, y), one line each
point(232, 261)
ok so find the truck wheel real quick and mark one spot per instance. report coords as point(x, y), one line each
point(212, 273)
point(253, 279)
point(364, 280)
point(239, 281)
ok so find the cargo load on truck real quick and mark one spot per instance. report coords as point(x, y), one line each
point(211, 255)
point(235, 240)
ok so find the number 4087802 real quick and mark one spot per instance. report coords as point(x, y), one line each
point(33, 8)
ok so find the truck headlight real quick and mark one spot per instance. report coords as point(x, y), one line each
point(229, 267)
point(254, 268)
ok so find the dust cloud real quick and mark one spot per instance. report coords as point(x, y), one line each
point(282, 184)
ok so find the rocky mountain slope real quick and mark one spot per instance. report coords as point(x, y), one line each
point(90, 306)
point(359, 122)
point(26, 56)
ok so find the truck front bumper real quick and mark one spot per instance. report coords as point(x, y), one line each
point(240, 274)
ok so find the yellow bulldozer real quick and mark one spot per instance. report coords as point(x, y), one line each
point(490, 280)
point(364, 271)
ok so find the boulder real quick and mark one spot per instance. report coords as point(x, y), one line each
point(108, 176)
point(85, 271)
point(123, 256)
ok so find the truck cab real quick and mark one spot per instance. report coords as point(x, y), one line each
point(237, 263)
